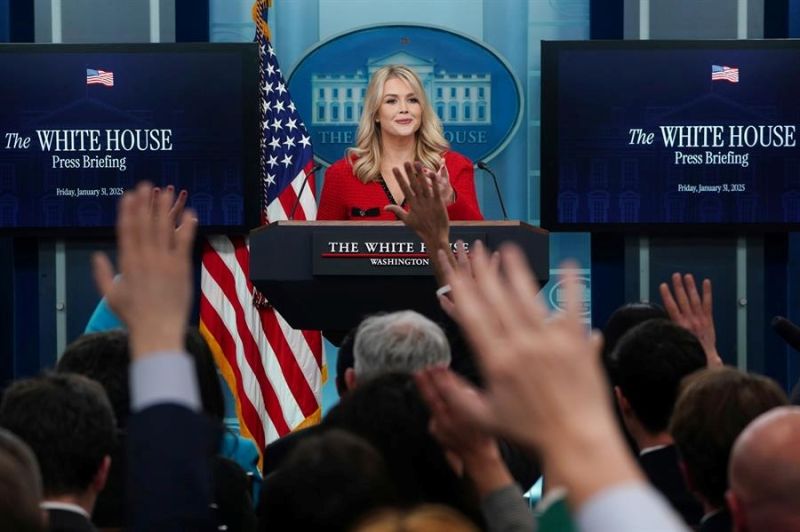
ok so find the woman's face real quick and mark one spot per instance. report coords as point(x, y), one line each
point(400, 112)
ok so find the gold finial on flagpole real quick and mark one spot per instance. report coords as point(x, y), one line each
point(261, 24)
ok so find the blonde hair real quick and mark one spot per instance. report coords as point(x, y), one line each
point(366, 155)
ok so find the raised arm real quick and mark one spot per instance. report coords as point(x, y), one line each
point(692, 312)
point(426, 216)
point(545, 389)
point(473, 452)
point(169, 441)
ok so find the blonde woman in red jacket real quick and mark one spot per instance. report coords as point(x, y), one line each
point(397, 126)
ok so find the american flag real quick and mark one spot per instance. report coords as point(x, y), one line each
point(274, 371)
point(724, 73)
point(99, 77)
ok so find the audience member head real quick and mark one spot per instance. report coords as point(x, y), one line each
point(651, 360)
point(329, 481)
point(765, 473)
point(713, 407)
point(102, 357)
point(368, 150)
point(425, 518)
point(623, 320)
point(389, 413)
point(67, 421)
point(20, 486)
point(345, 362)
point(402, 342)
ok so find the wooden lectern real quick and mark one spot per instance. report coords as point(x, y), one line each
point(329, 275)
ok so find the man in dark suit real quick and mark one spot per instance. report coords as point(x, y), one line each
point(103, 357)
point(651, 360)
point(170, 443)
point(68, 423)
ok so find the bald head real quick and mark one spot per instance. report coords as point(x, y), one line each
point(765, 472)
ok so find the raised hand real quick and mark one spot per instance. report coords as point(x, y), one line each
point(176, 211)
point(453, 424)
point(452, 401)
point(153, 294)
point(692, 312)
point(545, 387)
point(527, 356)
point(427, 215)
point(463, 264)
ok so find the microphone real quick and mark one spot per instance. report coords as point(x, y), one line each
point(788, 331)
point(485, 167)
point(314, 169)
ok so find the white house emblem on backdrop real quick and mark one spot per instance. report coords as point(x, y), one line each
point(456, 97)
point(470, 87)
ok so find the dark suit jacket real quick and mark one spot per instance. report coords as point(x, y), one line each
point(109, 509)
point(169, 474)
point(66, 521)
point(233, 506)
point(661, 468)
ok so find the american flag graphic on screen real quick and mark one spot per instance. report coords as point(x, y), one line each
point(275, 372)
point(99, 77)
point(726, 73)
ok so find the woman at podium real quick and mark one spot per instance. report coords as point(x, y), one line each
point(397, 126)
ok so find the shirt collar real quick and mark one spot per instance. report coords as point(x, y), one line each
point(652, 449)
point(65, 506)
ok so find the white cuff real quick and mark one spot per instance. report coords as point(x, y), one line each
point(164, 377)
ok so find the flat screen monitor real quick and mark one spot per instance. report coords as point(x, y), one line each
point(670, 135)
point(80, 124)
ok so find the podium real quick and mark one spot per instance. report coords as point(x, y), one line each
point(328, 275)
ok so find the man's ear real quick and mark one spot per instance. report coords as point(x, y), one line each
point(350, 379)
point(738, 513)
point(101, 476)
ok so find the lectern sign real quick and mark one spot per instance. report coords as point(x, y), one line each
point(363, 254)
point(352, 269)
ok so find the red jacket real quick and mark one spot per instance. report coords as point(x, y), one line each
point(344, 197)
